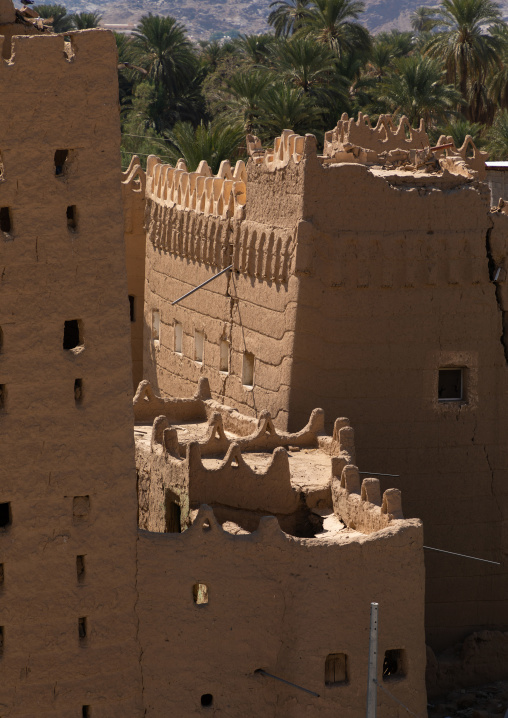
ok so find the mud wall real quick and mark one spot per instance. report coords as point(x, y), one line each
point(66, 454)
point(398, 284)
point(283, 605)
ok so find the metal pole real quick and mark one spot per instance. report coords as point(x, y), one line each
point(201, 285)
point(372, 676)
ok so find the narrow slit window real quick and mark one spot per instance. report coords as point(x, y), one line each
point(3, 397)
point(72, 217)
point(1, 339)
point(336, 669)
point(1, 640)
point(5, 515)
point(80, 568)
point(248, 369)
point(172, 513)
point(224, 356)
point(199, 346)
point(132, 308)
point(78, 391)
point(1, 575)
point(60, 160)
point(5, 219)
point(450, 384)
point(394, 664)
point(82, 628)
point(156, 325)
point(178, 338)
point(72, 334)
point(86, 712)
point(207, 700)
point(200, 593)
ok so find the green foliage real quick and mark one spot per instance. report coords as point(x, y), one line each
point(213, 143)
point(58, 13)
point(86, 20)
point(497, 137)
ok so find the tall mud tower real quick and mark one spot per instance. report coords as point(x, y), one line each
point(67, 476)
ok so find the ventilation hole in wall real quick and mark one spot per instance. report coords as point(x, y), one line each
point(450, 384)
point(200, 593)
point(60, 160)
point(5, 515)
point(3, 397)
point(207, 700)
point(80, 509)
point(206, 526)
point(394, 664)
point(80, 568)
point(156, 325)
point(199, 346)
point(132, 308)
point(78, 391)
point(5, 220)
point(72, 218)
point(178, 338)
point(172, 518)
point(72, 334)
point(82, 628)
point(224, 356)
point(86, 712)
point(248, 369)
point(336, 669)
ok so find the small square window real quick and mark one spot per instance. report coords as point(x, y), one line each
point(72, 334)
point(450, 384)
point(394, 664)
point(86, 712)
point(5, 515)
point(336, 669)
point(207, 700)
point(60, 160)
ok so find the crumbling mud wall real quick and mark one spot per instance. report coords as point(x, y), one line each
point(285, 606)
point(400, 284)
point(67, 474)
point(197, 226)
point(133, 196)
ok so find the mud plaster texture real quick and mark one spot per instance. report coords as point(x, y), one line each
point(277, 602)
point(66, 469)
point(352, 286)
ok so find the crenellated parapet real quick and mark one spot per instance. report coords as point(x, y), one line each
point(384, 136)
point(222, 195)
point(288, 147)
point(360, 505)
point(148, 406)
point(463, 159)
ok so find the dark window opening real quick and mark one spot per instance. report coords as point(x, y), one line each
point(1, 574)
point(393, 664)
point(3, 396)
point(72, 221)
point(1, 639)
point(172, 513)
point(86, 712)
point(80, 568)
point(78, 391)
point(5, 515)
point(82, 628)
point(207, 700)
point(132, 308)
point(336, 669)
point(450, 385)
point(200, 593)
point(1, 339)
point(72, 334)
point(5, 219)
point(60, 160)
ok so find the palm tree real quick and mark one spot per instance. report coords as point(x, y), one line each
point(400, 43)
point(284, 107)
point(497, 81)
point(303, 63)
point(243, 96)
point(497, 137)
point(287, 16)
point(332, 22)
point(466, 45)
point(161, 46)
point(58, 13)
point(415, 88)
point(86, 20)
point(255, 48)
point(423, 19)
point(207, 142)
point(459, 128)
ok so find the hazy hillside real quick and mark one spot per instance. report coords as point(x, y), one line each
point(204, 17)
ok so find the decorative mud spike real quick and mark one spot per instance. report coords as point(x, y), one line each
point(147, 405)
point(383, 137)
point(473, 158)
point(289, 146)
